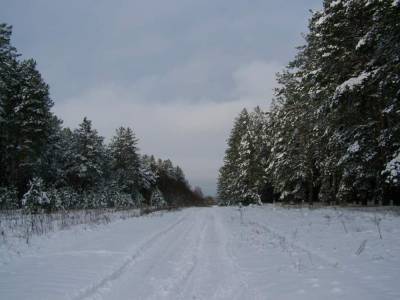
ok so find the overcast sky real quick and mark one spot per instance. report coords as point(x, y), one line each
point(176, 71)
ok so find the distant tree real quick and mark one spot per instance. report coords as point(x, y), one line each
point(85, 168)
point(157, 199)
point(148, 173)
point(125, 162)
point(242, 178)
point(179, 175)
point(197, 190)
point(228, 185)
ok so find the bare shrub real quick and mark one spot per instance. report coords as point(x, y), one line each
point(377, 221)
point(21, 224)
point(361, 248)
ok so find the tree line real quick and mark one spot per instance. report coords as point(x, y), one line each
point(332, 134)
point(45, 166)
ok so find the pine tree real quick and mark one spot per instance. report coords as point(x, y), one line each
point(251, 160)
point(52, 159)
point(24, 115)
point(26, 120)
point(180, 176)
point(229, 174)
point(125, 163)
point(333, 132)
point(261, 148)
point(168, 168)
point(86, 158)
point(358, 76)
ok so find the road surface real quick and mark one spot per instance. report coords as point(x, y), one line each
point(209, 253)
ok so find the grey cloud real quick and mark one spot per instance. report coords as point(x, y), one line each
point(190, 133)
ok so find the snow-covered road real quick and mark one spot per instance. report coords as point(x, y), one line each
point(214, 253)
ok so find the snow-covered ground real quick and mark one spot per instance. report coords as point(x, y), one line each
point(214, 253)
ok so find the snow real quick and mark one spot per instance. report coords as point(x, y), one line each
point(326, 54)
point(393, 169)
point(41, 199)
point(266, 252)
point(361, 42)
point(351, 83)
point(321, 20)
point(353, 148)
point(35, 195)
point(335, 3)
point(389, 109)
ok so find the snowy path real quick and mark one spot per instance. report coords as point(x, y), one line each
point(211, 253)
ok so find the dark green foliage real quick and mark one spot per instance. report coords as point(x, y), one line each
point(333, 133)
point(85, 167)
point(242, 177)
point(125, 160)
point(8, 198)
point(25, 122)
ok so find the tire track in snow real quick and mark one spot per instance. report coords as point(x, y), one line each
point(172, 249)
point(213, 265)
point(93, 289)
point(224, 232)
point(162, 274)
point(182, 285)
